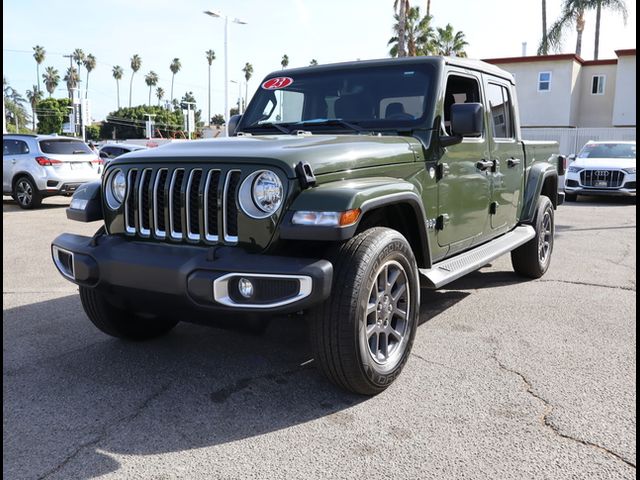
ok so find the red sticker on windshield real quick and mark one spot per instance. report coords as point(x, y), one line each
point(276, 83)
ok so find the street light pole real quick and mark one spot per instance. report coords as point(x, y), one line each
point(226, 62)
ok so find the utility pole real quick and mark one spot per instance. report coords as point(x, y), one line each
point(190, 119)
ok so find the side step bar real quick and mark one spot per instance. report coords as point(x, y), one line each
point(455, 267)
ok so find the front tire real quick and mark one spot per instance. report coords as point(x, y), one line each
point(121, 323)
point(533, 258)
point(26, 193)
point(362, 335)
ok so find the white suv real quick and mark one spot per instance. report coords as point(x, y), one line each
point(39, 166)
point(602, 168)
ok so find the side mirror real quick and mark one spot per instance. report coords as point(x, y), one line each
point(467, 119)
point(233, 123)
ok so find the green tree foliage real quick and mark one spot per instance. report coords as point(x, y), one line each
point(418, 32)
point(285, 61)
point(188, 97)
point(151, 79)
point(89, 65)
point(130, 122)
point(217, 119)
point(92, 132)
point(136, 63)
point(39, 56)
point(117, 73)
point(15, 109)
point(52, 113)
point(71, 78)
point(175, 68)
point(450, 43)
point(34, 96)
point(51, 79)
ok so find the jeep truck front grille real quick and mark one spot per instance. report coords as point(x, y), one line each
point(193, 204)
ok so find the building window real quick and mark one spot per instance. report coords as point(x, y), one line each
point(544, 81)
point(597, 84)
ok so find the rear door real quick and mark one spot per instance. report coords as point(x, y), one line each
point(14, 153)
point(507, 155)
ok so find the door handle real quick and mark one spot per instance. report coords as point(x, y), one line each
point(484, 165)
point(512, 162)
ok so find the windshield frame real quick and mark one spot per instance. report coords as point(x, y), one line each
point(335, 125)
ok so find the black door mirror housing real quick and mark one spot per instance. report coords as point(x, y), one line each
point(233, 124)
point(467, 119)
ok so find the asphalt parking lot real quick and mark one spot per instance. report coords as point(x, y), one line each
point(508, 378)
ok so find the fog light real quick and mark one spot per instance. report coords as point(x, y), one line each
point(245, 287)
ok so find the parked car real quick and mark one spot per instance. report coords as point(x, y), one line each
point(345, 189)
point(602, 168)
point(39, 166)
point(109, 151)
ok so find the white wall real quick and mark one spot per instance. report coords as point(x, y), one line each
point(596, 110)
point(624, 105)
point(552, 108)
point(571, 140)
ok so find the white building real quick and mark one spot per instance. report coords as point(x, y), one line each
point(565, 91)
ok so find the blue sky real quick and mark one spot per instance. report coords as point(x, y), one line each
point(327, 30)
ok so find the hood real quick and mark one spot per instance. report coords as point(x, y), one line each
point(325, 153)
point(604, 163)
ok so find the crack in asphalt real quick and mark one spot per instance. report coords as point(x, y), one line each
point(548, 408)
point(104, 432)
point(433, 363)
point(615, 287)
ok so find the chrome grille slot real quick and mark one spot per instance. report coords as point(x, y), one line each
point(143, 203)
point(210, 199)
point(592, 178)
point(159, 203)
point(129, 203)
point(175, 203)
point(192, 204)
point(230, 206)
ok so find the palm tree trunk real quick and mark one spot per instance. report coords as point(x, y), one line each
point(209, 96)
point(149, 103)
point(428, 7)
point(172, 77)
point(545, 46)
point(38, 73)
point(130, 87)
point(402, 25)
point(579, 28)
point(86, 87)
point(33, 118)
point(597, 45)
point(118, 92)
point(246, 95)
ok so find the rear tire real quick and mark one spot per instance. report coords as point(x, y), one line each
point(121, 323)
point(26, 193)
point(533, 258)
point(362, 335)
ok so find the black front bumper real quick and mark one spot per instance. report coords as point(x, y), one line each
point(159, 277)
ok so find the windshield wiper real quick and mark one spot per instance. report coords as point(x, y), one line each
point(321, 122)
point(75, 152)
point(267, 125)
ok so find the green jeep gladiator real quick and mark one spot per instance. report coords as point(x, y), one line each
point(342, 190)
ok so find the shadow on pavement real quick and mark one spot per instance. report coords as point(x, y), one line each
point(71, 393)
point(600, 201)
point(10, 205)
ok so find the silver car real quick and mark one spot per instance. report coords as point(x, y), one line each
point(39, 166)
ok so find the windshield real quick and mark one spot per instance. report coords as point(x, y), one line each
point(64, 147)
point(375, 98)
point(608, 150)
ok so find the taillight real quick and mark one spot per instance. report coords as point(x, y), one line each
point(97, 161)
point(45, 162)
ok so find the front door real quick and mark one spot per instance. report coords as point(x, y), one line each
point(464, 186)
point(507, 155)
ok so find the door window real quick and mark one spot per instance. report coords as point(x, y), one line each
point(459, 90)
point(14, 147)
point(500, 109)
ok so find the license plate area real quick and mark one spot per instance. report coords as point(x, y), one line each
point(78, 165)
point(600, 183)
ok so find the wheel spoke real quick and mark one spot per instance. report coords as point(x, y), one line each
point(371, 308)
point(371, 330)
point(384, 345)
point(399, 292)
point(398, 312)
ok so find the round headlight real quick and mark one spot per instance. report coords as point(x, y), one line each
point(116, 189)
point(267, 191)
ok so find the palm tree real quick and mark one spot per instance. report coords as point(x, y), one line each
point(248, 72)
point(34, 96)
point(51, 79)
point(614, 5)
point(151, 79)
point(79, 56)
point(285, 61)
point(543, 49)
point(136, 63)
point(401, 7)
point(211, 56)
point(38, 54)
point(448, 43)
point(117, 73)
point(89, 64)
point(418, 34)
point(159, 94)
point(313, 62)
point(71, 78)
point(175, 68)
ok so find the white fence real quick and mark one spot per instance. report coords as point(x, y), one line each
point(573, 139)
